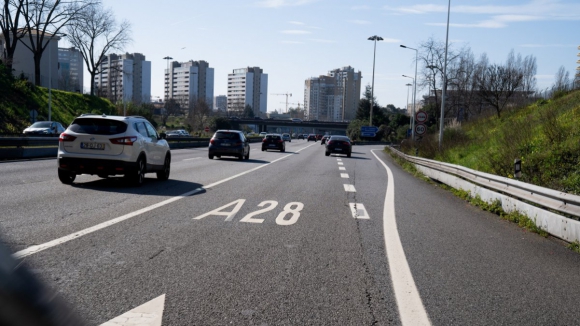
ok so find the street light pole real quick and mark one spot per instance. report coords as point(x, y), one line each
point(407, 104)
point(414, 93)
point(412, 113)
point(168, 75)
point(444, 80)
point(374, 38)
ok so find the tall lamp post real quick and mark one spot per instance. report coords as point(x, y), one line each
point(444, 80)
point(414, 92)
point(408, 85)
point(374, 38)
point(50, 74)
point(168, 75)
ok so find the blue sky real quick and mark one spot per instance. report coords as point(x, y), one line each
point(293, 40)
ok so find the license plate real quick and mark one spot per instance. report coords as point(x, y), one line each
point(99, 146)
point(338, 149)
point(226, 144)
point(272, 145)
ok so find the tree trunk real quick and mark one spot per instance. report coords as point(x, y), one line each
point(37, 58)
point(93, 82)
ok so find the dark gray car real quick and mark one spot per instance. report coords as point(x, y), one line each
point(229, 143)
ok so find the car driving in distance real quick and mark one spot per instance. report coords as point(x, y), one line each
point(312, 137)
point(273, 141)
point(229, 143)
point(263, 133)
point(44, 128)
point(338, 145)
point(323, 139)
point(112, 145)
point(286, 137)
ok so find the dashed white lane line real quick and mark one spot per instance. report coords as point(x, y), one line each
point(411, 309)
point(340, 163)
point(349, 188)
point(41, 247)
point(342, 168)
point(344, 175)
point(359, 211)
point(189, 159)
point(339, 160)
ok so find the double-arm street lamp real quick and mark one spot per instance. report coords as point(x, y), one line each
point(414, 92)
point(374, 38)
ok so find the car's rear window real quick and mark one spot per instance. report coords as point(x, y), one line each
point(340, 138)
point(98, 126)
point(43, 124)
point(227, 135)
point(272, 136)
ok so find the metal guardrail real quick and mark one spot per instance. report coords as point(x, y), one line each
point(555, 200)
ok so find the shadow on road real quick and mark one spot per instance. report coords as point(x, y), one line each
point(151, 187)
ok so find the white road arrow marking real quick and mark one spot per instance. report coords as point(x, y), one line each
point(147, 314)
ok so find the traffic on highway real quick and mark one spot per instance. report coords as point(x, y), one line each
point(300, 236)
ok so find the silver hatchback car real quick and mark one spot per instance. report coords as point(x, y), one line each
point(112, 145)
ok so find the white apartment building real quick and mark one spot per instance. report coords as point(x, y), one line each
point(220, 103)
point(70, 69)
point(189, 81)
point(248, 86)
point(124, 78)
point(333, 97)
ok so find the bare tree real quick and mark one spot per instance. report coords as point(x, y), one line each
point(199, 113)
point(561, 80)
point(95, 32)
point(10, 26)
point(497, 84)
point(44, 20)
point(171, 107)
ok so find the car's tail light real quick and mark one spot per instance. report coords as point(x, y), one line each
point(124, 140)
point(238, 144)
point(330, 142)
point(64, 137)
point(212, 141)
point(280, 140)
point(264, 140)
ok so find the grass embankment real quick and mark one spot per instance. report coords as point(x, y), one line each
point(544, 135)
point(19, 97)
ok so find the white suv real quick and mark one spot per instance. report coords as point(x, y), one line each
point(112, 145)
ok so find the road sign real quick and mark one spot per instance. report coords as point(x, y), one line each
point(206, 129)
point(368, 134)
point(421, 117)
point(420, 129)
point(369, 129)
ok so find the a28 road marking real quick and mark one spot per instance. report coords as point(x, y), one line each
point(41, 247)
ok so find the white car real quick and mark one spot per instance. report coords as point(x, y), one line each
point(112, 145)
point(286, 137)
point(263, 134)
point(44, 128)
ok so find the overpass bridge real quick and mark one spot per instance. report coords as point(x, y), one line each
point(289, 126)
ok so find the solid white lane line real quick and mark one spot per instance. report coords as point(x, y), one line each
point(349, 188)
point(411, 309)
point(342, 168)
point(344, 175)
point(340, 163)
point(41, 247)
point(359, 211)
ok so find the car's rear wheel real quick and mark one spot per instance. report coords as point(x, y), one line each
point(66, 177)
point(327, 153)
point(210, 157)
point(137, 178)
point(283, 149)
point(241, 157)
point(247, 156)
point(164, 174)
point(348, 155)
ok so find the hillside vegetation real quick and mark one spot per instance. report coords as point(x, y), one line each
point(18, 97)
point(544, 135)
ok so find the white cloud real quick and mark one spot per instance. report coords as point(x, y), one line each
point(295, 32)
point(296, 23)
point(499, 16)
point(283, 3)
point(291, 42)
point(360, 22)
point(322, 40)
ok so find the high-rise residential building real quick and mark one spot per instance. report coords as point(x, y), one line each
point(333, 97)
point(124, 78)
point(70, 69)
point(189, 81)
point(248, 86)
point(220, 103)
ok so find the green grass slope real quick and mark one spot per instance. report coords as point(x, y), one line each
point(544, 135)
point(19, 97)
